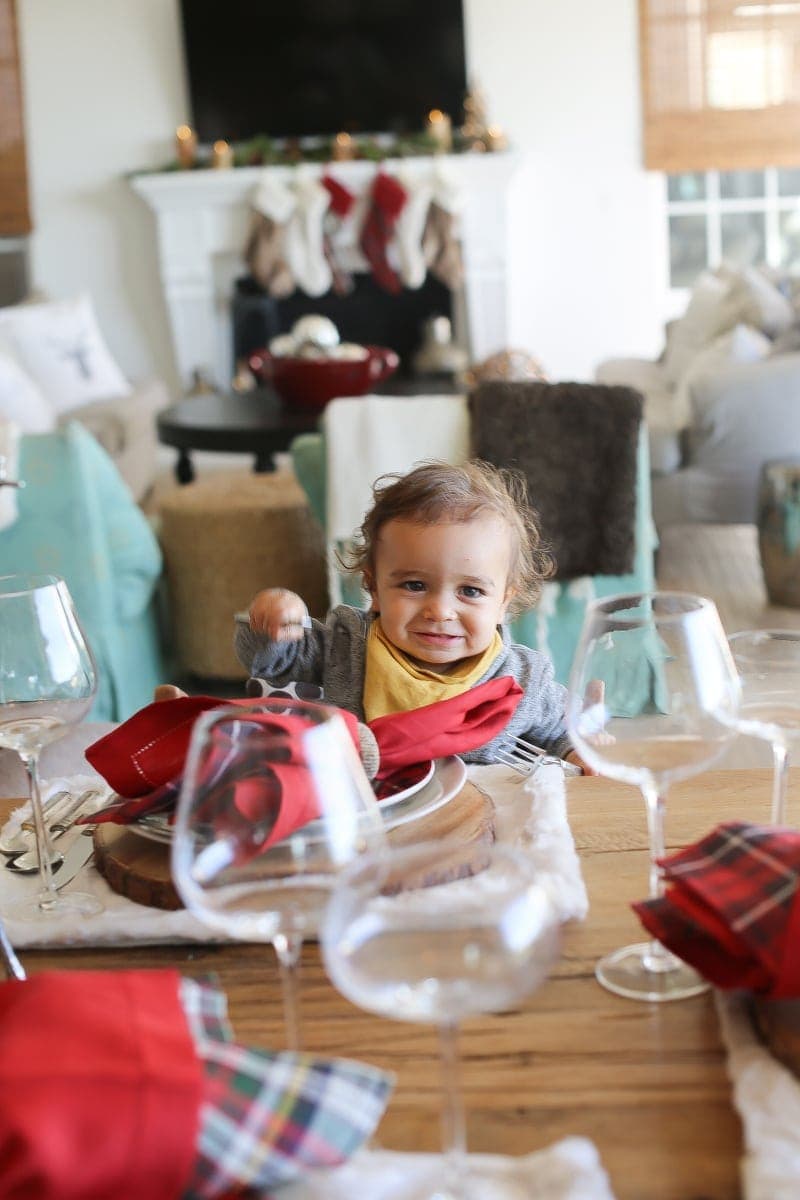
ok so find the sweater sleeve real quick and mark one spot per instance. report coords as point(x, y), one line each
point(281, 662)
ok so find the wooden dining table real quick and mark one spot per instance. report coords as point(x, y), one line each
point(646, 1082)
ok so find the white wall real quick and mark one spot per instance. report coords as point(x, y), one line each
point(105, 90)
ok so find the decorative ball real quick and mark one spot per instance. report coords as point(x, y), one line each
point(283, 345)
point(506, 365)
point(314, 330)
point(350, 352)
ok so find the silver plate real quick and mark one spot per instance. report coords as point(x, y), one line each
point(446, 779)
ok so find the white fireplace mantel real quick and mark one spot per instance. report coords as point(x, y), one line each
point(202, 219)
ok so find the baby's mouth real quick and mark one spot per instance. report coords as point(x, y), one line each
point(437, 639)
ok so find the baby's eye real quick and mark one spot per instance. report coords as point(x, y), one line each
point(471, 592)
point(413, 585)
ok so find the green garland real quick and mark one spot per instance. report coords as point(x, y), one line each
point(264, 151)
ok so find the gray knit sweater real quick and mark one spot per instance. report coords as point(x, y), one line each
point(333, 655)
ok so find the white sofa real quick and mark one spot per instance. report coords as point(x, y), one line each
point(723, 399)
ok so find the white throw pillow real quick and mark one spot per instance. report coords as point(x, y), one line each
point(707, 315)
point(739, 345)
point(61, 346)
point(755, 300)
point(21, 401)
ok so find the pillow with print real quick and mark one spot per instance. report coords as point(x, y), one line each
point(60, 345)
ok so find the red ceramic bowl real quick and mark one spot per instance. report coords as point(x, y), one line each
point(310, 383)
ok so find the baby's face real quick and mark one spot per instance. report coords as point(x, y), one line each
point(441, 590)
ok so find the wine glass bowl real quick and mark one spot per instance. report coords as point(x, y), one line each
point(274, 802)
point(441, 954)
point(768, 662)
point(47, 682)
point(664, 693)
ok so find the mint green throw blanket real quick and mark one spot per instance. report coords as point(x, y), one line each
point(78, 520)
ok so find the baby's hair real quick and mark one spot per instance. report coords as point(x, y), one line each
point(437, 491)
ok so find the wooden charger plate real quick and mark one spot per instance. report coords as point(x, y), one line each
point(139, 869)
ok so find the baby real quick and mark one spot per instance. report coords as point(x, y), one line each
point(446, 553)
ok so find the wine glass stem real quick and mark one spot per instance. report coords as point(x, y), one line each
point(288, 947)
point(658, 958)
point(454, 1138)
point(48, 897)
point(780, 779)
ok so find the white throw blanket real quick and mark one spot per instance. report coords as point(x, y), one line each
point(767, 1098)
point(530, 813)
point(9, 454)
point(368, 436)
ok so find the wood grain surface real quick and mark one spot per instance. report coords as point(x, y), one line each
point(646, 1082)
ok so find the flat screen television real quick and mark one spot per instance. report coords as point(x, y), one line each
point(305, 68)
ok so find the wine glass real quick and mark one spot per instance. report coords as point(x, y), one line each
point(768, 662)
point(274, 801)
point(47, 682)
point(663, 713)
point(440, 954)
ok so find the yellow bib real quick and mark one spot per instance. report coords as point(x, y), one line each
point(393, 683)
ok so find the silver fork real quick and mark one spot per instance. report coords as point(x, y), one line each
point(527, 758)
point(28, 862)
point(22, 839)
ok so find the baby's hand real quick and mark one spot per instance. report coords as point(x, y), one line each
point(168, 691)
point(278, 613)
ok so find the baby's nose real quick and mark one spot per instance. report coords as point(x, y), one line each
point(439, 606)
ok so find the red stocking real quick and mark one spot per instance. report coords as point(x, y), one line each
point(342, 201)
point(386, 203)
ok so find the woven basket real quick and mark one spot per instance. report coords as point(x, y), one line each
point(224, 539)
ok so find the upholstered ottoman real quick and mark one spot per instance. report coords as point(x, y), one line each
point(224, 538)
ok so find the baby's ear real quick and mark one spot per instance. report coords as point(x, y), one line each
point(368, 583)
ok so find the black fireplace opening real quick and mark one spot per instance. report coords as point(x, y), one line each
point(367, 315)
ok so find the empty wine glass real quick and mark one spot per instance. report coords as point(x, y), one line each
point(768, 662)
point(440, 954)
point(663, 714)
point(47, 682)
point(274, 802)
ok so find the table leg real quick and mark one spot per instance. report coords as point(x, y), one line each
point(184, 471)
point(263, 462)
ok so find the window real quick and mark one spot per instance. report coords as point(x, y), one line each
point(741, 217)
point(720, 85)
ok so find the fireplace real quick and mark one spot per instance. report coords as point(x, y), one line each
point(202, 219)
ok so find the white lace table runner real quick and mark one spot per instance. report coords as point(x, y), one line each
point(767, 1098)
point(530, 813)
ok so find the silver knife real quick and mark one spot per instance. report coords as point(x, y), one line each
point(76, 856)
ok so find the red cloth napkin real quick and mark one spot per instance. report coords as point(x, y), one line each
point(731, 909)
point(100, 1087)
point(149, 749)
point(451, 726)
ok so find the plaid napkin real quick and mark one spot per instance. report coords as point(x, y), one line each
point(266, 1119)
point(731, 909)
point(127, 1084)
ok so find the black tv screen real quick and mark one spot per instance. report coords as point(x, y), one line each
point(300, 68)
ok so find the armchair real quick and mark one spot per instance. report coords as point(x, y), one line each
point(76, 519)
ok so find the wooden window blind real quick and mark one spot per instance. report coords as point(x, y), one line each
point(720, 84)
point(14, 210)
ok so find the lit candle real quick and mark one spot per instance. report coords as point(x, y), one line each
point(343, 148)
point(185, 146)
point(495, 138)
point(440, 127)
point(221, 155)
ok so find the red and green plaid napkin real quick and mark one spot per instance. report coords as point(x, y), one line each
point(265, 1118)
point(732, 908)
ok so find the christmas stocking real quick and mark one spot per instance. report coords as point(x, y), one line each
point(304, 247)
point(387, 201)
point(341, 206)
point(264, 251)
point(409, 228)
point(441, 247)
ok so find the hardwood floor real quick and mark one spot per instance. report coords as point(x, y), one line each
point(722, 562)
